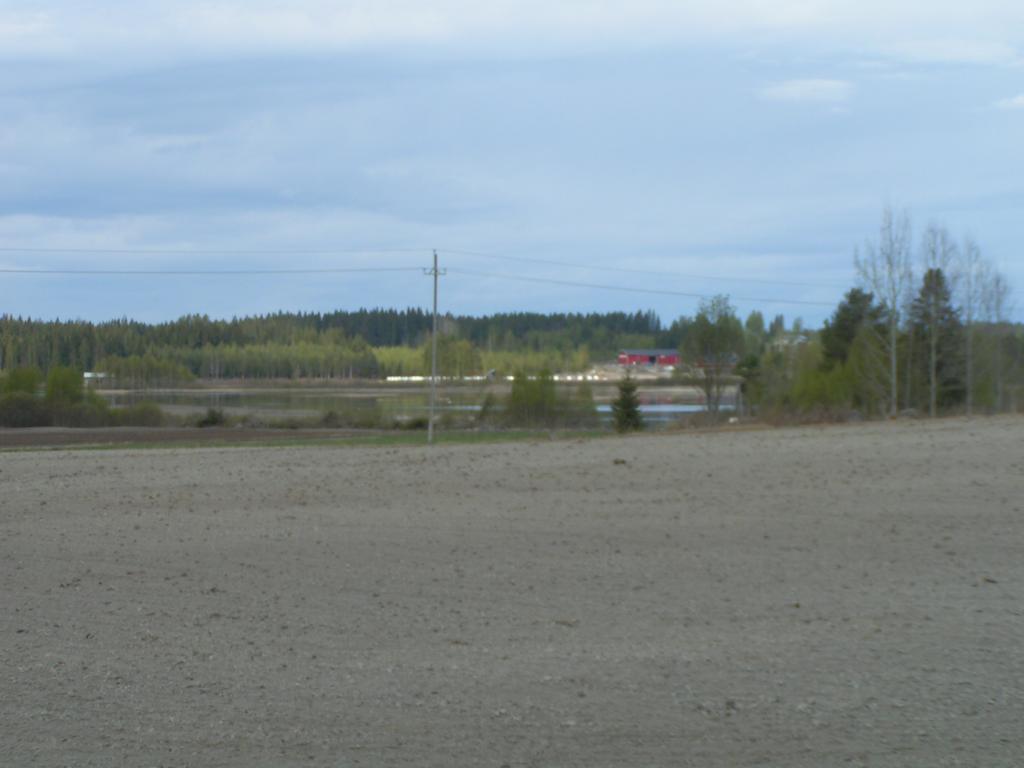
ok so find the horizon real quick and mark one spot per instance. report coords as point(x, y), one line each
point(663, 323)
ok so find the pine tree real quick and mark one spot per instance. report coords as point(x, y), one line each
point(935, 319)
point(626, 408)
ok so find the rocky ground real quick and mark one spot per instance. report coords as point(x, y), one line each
point(799, 597)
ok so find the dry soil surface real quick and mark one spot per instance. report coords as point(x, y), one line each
point(804, 597)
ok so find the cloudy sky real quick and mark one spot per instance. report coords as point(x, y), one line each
point(682, 148)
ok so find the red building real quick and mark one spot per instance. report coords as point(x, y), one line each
point(649, 357)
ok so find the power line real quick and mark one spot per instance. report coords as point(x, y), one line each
point(629, 289)
point(368, 270)
point(202, 272)
point(352, 251)
point(632, 271)
point(217, 251)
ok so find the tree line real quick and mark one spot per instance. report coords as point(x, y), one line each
point(367, 343)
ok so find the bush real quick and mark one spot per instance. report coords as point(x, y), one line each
point(90, 410)
point(331, 419)
point(532, 402)
point(416, 422)
point(579, 410)
point(26, 380)
point(20, 409)
point(64, 386)
point(144, 414)
point(354, 418)
point(538, 403)
point(214, 418)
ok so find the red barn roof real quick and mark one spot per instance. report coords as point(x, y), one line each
point(649, 357)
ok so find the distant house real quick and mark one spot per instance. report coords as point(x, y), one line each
point(649, 357)
point(93, 378)
point(785, 340)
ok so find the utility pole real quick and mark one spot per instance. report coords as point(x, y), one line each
point(435, 272)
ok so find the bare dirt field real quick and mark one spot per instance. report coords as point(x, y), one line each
point(800, 597)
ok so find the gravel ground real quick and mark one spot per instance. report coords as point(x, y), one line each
point(800, 597)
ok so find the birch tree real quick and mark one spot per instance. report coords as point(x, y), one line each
point(974, 274)
point(938, 254)
point(715, 341)
point(995, 304)
point(885, 269)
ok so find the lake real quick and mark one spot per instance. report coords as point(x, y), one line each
point(660, 405)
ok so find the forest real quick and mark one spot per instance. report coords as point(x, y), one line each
point(368, 343)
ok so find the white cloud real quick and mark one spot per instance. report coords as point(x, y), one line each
point(955, 50)
point(24, 32)
point(809, 90)
point(1013, 102)
point(984, 31)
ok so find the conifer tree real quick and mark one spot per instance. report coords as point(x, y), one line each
point(935, 319)
point(626, 408)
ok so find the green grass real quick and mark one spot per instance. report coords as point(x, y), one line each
point(355, 441)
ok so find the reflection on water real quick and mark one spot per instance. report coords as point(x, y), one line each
point(661, 405)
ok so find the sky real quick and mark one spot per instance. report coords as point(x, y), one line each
point(570, 156)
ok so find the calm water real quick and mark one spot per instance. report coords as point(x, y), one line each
point(659, 405)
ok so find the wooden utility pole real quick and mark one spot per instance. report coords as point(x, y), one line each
point(435, 272)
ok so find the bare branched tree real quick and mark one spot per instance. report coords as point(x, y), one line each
point(715, 340)
point(938, 252)
point(908, 368)
point(885, 270)
point(996, 307)
point(973, 276)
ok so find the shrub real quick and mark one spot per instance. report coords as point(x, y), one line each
point(20, 409)
point(214, 418)
point(532, 402)
point(26, 380)
point(64, 386)
point(416, 422)
point(90, 410)
point(538, 403)
point(144, 414)
point(331, 419)
point(354, 418)
point(579, 410)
